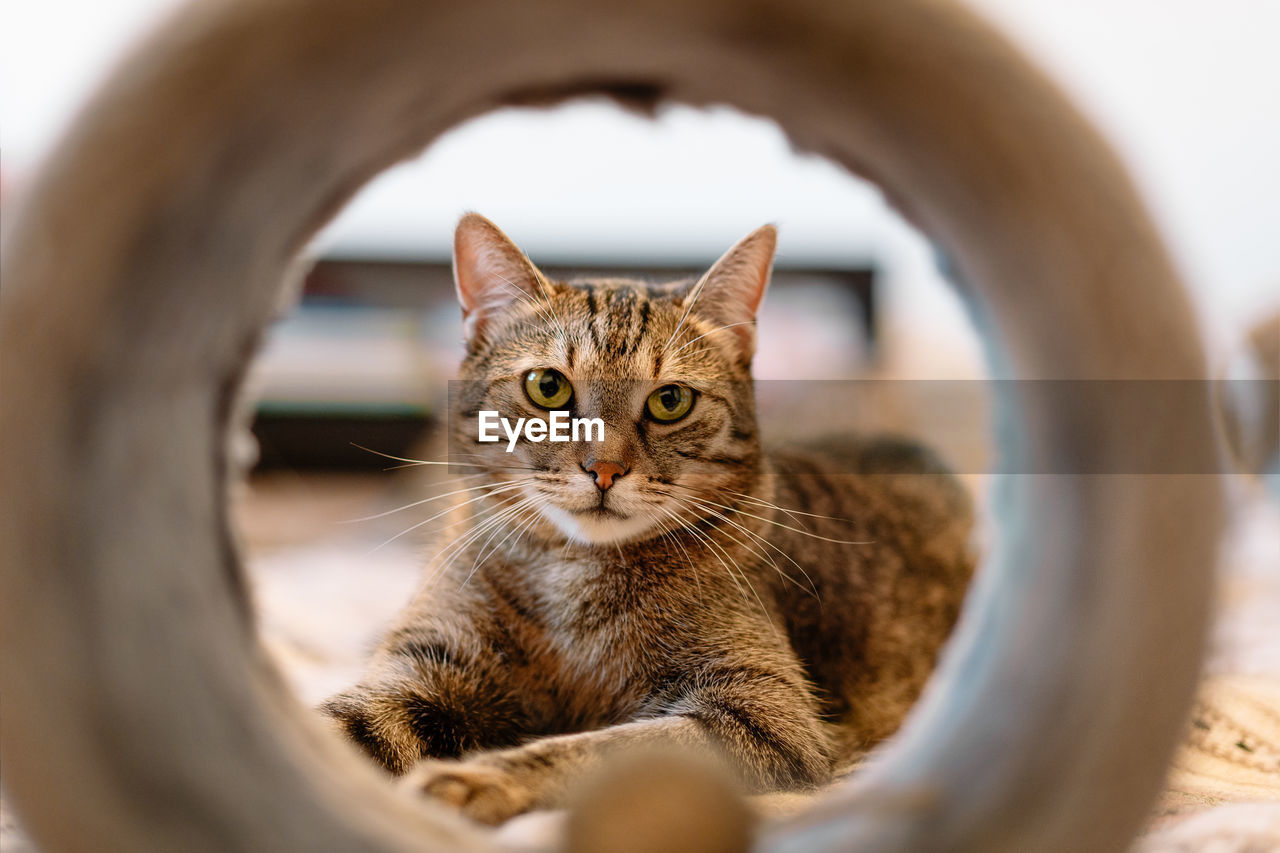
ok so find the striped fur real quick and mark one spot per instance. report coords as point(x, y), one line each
point(781, 609)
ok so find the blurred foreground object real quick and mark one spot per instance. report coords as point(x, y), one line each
point(141, 711)
point(1251, 404)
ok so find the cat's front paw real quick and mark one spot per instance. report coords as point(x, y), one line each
point(485, 792)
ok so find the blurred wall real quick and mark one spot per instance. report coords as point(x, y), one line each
point(1187, 91)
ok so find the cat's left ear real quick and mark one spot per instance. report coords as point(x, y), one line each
point(731, 291)
point(490, 273)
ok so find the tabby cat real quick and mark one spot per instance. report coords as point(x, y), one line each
point(674, 583)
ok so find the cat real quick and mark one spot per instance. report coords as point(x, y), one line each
point(672, 584)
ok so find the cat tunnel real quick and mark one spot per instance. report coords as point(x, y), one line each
point(140, 711)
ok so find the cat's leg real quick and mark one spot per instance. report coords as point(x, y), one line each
point(427, 696)
point(763, 726)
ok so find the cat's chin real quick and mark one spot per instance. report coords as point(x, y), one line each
point(598, 527)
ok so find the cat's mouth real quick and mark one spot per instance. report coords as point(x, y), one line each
point(600, 512)
point(598, 524)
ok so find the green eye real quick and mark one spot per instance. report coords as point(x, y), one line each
point(670, 403)
point(548, 388)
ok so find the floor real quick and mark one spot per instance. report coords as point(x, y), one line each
point(325, 581)
point(332, 556)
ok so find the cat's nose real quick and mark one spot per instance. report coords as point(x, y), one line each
point(604, 471)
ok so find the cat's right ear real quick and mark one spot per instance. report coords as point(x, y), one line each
point(731, 291)
point(490, 273)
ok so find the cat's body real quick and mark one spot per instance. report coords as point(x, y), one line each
point(672, 584)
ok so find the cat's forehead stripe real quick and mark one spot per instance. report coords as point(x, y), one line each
point(610, 322)
point(641, 328)
point(616, 325)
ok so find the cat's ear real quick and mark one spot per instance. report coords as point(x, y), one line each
point(731, 291)
point(490, 273)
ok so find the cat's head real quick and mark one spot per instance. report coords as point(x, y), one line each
point(666, 368)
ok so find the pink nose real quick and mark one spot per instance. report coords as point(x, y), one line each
point(605, 472)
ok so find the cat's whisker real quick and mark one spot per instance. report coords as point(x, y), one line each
point(693, 298)
point(419, 462)
point(478, 527)
point(485, 512)
point(749, 548)
point(528, 505)
point(481, 525)
point(485, 462)
point(702, 506)
point(431, 499)
point(497, 490)
point(754, 501)
point(812, 589)
point(777, 523)
point(691, 529)
point(458, 478)
point(701, 350)
point(542, 285)
point(522, 294)
point(489, 465)
point(395, 458)
point(401, 466)
point(668, 534)
point(717, 547)
point(763, 502)
point(436, 568)
point(534, 517)
point(409, 463)
point(752, 549)
point(481, 510)
point(712, 332)
point(534, 513)
point(484, 550)
point(732, 574)
point(746, 579)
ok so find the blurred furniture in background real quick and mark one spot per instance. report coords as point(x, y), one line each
point(365, 359)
